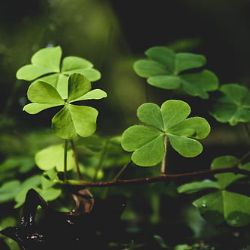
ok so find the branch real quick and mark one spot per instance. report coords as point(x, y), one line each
point(163, 178)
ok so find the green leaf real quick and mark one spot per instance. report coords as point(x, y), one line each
point(73, 64)
point(43, 96)
point(42, 92)
point(174, 112)
point(225, 179)
point(53, 157)
point(31, 182)
point(74, 120)
point(150, 113)
point(185, 146)
point(198, 186)
point(234, 106)
point(185, 61)
point(164, 70)
point(147, 143)
point(9, 190)
point(34, 108)
point(224, 205)
point(79, 85)
point(46, 66)
point(71, 120)
point(44, 61)
point(196, 127)
point(168, 122)
point(94, 94)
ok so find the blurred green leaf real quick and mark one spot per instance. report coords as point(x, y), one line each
point(234, 106)
point(197, 186)
point(9, 190)
point(164, 70)
point(225, 179)
point(53, 157)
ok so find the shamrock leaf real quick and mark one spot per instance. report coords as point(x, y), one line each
point(52, 157)
point(221, 205)
point(45, 66)
point(234, 106)
point(168, 122)
point(164, 69)
point(71, 120)
point(224, 205)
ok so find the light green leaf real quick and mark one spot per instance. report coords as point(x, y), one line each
point(53, 157)
point(30, 72)
point(44, 61)
point(91, 95)
point(73, 64)
point(32, 182)
point(43, 93)
point(43, 96)
point(150, 113)
point(48, 58)
point(78, 85)
point(9, 190)
point(196, 127)
point(185, 146)
point(147, 143)
point(74, 120)
point(174, 112)
point(50, 194)
point(34, 108)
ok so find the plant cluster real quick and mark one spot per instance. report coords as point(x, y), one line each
point(67, 86)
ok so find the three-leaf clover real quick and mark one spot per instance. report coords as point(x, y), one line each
point(234, 106)
point(45, 66)
point(166, 69)
point(166, 123)
point(71, 120)
point(221, 204)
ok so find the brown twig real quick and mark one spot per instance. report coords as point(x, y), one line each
point(163, 178)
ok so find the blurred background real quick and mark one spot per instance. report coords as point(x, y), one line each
point(112, 35)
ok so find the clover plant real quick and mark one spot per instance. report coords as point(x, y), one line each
point(169, 70)
point(65, 84)
point(221, 204)
point(233, 106)
point(162, 124)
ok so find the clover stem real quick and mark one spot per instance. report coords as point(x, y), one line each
point(65, 159)
point(164, 160)
point(247, 129)
point(76, 160)
point(102, 157)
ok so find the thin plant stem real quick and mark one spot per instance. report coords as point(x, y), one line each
point(76, 160)
point(121, 171)
point(164, 161)
point(102, 157)
point(247, 129)
point(65, 160)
